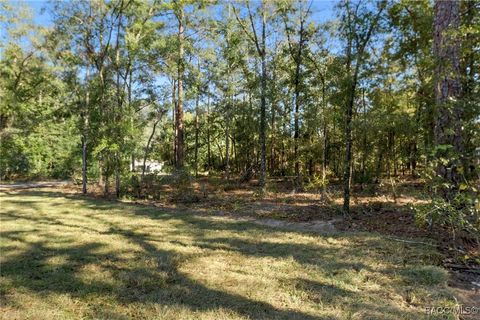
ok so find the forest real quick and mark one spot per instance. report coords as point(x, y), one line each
point(331, 117)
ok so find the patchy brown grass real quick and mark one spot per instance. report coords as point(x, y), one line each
point(64, 256)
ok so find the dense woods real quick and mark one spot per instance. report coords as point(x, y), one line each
point(239, 159)
point(351, 93)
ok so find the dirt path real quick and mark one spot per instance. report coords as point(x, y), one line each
point(31, 185)
point(320, 226)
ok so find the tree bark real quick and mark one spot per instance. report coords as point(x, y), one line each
point(118, 112)
point(85, 134)
point(179, 107)
point(348, 143)
point(145, 155)
point(227, 141)
point(209, 147)
point(263, 148)
point(272, 122)
point(325, 140)
point(298, 61)
point(197, 128)
point(360, 44)
point(448, 89)
point(174, 110)
point(84, 155)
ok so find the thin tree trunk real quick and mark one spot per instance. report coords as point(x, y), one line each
point(84, 155)
point(227, 142)
point(85, 134)
point(106, 189)
point(118, 112)
point(103, 169)
point(325, 140)
point(234, 147)
point(378, 173)
point(364, 144)
point(348, 147)
point(179, 110)
point(298, 61)
point(209, 147)
point(174, 109)
point(360, 45)
point(296, 136)
point(220, 151)
point(145, 155)
point(129, 97)
point(196, 136)
point(272, 125)
point(263, 148)
point(117, 175)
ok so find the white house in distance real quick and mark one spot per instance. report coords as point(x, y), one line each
point(150, 166)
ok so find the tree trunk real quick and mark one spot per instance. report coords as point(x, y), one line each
point(196, 136)
point(234, 147)
point(364, 144)
point(85, 135)
point(263, 148)
point(348, 146)
point(378, 173)
point(117, 175)
point(325, 141)
point(227, 142)
point(129, 97)
point(84, 155)
point(272, 125)
point(118, 112)
point(298, 61)
point(413, 159)
point(106, 189)
point(174, 110)
point(179, 109)
point(145, 154)
point(295, 141)
point(448, 120)
point(209, 147)
point(220, 151)
point(360, 45)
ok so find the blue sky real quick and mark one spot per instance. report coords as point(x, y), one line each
point(39, 17)
point(322, 10)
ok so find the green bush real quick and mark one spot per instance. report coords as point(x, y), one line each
point(459, 215)
point(184, 192)
point(13, 160)
point(316, 183)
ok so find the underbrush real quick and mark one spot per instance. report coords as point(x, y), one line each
point(461, 215)
point(459, 220)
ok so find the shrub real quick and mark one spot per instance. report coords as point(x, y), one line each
point(316, 183)
point(183, 192)
point(460, 214)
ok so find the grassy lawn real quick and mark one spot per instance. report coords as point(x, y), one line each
point(68, 257)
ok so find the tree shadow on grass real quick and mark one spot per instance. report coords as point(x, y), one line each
point(161, 282)
point(31, 270)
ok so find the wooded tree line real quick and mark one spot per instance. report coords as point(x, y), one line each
point(244, 89)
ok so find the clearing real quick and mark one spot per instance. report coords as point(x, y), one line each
point(65, 256)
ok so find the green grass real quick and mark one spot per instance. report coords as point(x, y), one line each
point(68, 257)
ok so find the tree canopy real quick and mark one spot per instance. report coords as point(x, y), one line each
point(351, 93)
